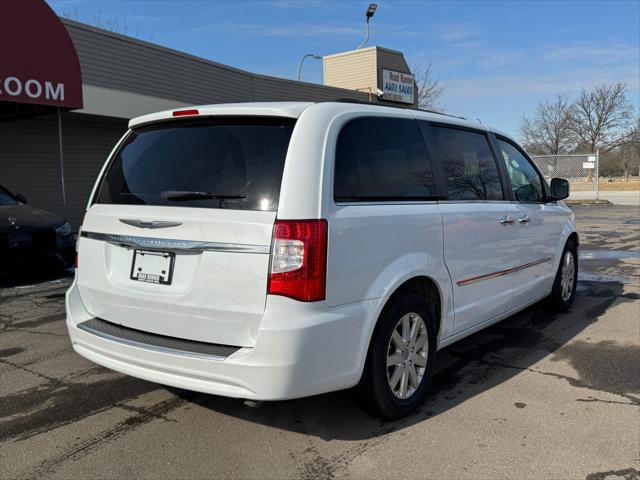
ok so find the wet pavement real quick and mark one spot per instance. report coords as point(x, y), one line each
point(610, 243)
point(538, 395)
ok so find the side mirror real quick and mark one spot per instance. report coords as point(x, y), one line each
point(559, 189)
point(21, 198)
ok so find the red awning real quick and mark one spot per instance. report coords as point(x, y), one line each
point(38, 61)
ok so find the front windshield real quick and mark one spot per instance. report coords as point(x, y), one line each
point(6, 198)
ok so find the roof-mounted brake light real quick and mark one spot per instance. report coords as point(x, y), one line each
point(184, 113)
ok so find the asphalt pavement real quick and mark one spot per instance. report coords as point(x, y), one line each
point(536, 396)
point(621, 197)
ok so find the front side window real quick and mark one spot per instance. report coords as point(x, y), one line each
point(468, 163)
point(525, 180)
point(381, 158)
point(223, 162)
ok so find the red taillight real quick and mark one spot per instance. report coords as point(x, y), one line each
point(299, 259)
point(76, 260)
point(184, 113)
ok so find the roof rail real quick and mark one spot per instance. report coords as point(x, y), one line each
point(362, 102)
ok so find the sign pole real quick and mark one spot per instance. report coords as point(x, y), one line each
point(597, 174)
point(64, 193)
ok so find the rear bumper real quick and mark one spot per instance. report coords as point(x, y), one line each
point(302, 349)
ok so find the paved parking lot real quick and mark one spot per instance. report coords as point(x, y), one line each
point(536, 396)
point(622, 197)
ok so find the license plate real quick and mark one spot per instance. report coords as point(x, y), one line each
point(152, 267)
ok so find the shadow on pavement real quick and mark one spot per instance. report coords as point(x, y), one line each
point(464, 370)
point(31, 272)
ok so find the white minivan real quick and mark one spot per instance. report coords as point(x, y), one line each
point(269, 251)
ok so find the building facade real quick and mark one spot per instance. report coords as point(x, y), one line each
point(52, 155)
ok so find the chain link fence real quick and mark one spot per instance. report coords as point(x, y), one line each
point(580, 169)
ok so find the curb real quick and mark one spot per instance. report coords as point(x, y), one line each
point(587, 202)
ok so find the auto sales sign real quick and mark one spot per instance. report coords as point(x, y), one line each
point(398, 87)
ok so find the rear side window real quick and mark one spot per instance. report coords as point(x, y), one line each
point(467, 162)
point(233, 163)
point(381, 158)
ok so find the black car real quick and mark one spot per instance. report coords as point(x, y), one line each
point(28, 233)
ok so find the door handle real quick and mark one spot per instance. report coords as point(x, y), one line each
point(507, 220)
point(524, 219)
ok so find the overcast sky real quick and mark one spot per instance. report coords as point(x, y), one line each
point(497, 59)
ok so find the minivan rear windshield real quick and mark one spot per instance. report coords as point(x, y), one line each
point(214, 162)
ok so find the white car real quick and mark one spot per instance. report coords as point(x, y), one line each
point(269, 251)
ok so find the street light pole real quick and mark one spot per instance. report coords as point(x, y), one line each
point(370, 11)
point(312, 55)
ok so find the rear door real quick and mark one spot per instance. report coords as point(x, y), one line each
point(539, 224)
point(177, 239)
point(478, 223)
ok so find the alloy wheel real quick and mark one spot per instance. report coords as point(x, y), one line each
point(567, 276)
point(407, 355)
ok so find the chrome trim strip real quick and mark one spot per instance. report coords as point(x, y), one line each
point(498, 202)
point(367, 203)
point(148, 223)
point(164, 244)
point(146, 346)
point(499, 273)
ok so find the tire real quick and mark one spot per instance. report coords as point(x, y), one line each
point(564, 286)
point(374, 392)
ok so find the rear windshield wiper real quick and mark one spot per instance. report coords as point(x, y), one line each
point(386, 198)
point(179, 195)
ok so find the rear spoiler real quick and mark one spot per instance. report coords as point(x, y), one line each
point(284, 109)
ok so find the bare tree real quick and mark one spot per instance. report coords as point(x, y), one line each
point(549, 132)
point(71, 13)
point(630, 151)
point(600, 116)
point(114, 22)
point(429, 88)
